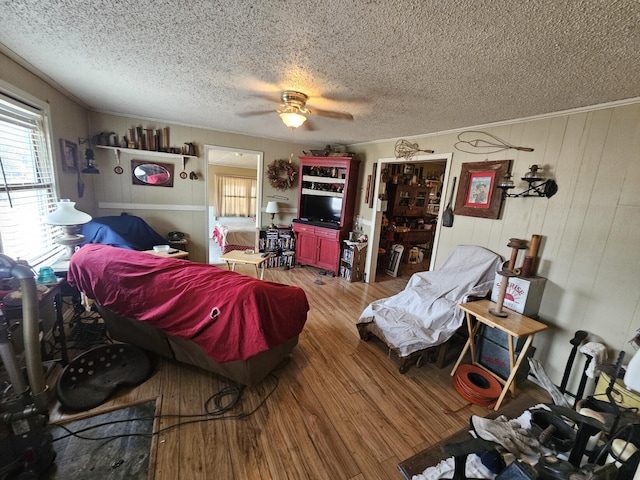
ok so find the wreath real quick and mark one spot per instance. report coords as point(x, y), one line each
point(275, 175)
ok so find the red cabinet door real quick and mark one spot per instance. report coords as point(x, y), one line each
point(306, 249)
point(328, 254)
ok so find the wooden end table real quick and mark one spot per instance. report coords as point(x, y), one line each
point(238, 256)
point(178, 254)
point(515, 325)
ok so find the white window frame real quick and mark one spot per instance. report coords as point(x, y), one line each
point(48, 250)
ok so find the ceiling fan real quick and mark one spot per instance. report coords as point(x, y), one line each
point(293, 109)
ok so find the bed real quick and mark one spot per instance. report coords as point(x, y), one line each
point(230, 237)
point(231, 324)
point(425, 314)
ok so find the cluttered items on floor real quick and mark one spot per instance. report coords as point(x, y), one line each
point(597, 438)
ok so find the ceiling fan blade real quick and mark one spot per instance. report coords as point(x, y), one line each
point(270, 98)
point(330, 114)
point(255, 114)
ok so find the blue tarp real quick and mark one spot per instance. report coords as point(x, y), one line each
point(125, 231)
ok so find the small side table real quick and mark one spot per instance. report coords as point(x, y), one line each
point(178, 254)
point(238, 256)
point(515, 325)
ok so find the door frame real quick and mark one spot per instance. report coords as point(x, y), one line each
point(376, 218)
point(259, 169)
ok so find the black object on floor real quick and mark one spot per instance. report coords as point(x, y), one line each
point(92, 377)
point(87, 334)
point(123, 458)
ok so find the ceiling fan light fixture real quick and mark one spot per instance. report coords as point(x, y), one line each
point(292, 119)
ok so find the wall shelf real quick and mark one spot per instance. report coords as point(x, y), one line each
point(148, 153)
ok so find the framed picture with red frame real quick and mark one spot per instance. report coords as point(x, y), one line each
point(478, 195)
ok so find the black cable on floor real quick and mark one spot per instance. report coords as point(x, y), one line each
point(234, 393)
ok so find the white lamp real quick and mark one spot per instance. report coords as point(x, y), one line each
point(67, 217)
point(272, 208)
point(292, 119)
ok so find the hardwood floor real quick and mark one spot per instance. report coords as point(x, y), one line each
point(337, 409)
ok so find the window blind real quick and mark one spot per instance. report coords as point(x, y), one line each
point(27, 184)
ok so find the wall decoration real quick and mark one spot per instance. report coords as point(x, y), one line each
point(483, 143)
point(281, 174)
point(478, 195)
point(371, 187)
point(368, 190)
point(69, 156)
point(152, 173)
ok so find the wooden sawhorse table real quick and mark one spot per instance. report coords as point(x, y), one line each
point(515, 325)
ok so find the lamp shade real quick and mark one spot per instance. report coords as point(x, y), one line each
point(66, 214)
point(632, 374)
point(272, 207)
point(292, 119)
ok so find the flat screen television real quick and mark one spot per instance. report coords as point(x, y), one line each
point(315, 208)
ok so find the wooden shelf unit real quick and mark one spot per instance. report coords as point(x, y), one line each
point(280, 243)
point(149, 153)
point(352, 261)
point(408, 200)
point(318, 240)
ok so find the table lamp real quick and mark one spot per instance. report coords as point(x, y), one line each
point(272, 208)
point(67, 217)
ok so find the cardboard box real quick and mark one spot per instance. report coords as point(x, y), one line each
point(495, 358)
point(523, 295)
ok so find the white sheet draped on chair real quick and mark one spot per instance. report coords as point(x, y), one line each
point(425, 313)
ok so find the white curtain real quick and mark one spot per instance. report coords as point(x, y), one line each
point(235, 196)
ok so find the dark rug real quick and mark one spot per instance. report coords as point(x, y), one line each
point(123, 458)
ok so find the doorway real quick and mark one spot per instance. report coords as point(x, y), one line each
point(383, 173)
point(231, 162)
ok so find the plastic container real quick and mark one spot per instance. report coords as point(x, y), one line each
point(161, 248)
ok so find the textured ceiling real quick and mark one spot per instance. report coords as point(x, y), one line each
point(402, 68)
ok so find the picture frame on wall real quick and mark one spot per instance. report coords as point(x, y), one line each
point(69, 156)
point(478, 195)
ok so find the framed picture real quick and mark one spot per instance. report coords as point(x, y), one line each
point(69, 156)
point(478, 195)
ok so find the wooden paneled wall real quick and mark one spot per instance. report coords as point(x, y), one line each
point(590, 251)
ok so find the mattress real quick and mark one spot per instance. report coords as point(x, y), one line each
point(235, 237)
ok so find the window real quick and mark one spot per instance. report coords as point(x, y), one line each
point(235, 196)
point(27, 184)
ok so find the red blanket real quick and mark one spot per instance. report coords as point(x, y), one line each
point(229, 315)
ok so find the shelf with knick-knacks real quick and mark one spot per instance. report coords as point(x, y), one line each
point(144, 141)
point(149, 153)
